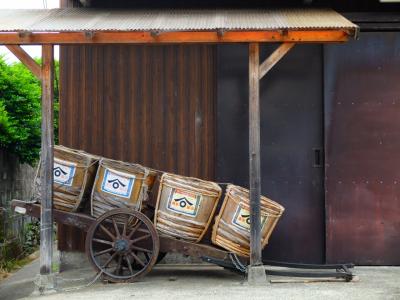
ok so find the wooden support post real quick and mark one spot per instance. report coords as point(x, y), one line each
point(46, 175)
point(256, 272)
point(274, 58)
point(254, 155)
point(28, 61)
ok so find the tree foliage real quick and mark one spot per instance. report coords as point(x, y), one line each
point(20, 111)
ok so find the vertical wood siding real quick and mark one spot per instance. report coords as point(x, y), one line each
point(153, 105)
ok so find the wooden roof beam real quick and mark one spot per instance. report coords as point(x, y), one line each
point(274, 58)
point(147, 37)
point(25, 58)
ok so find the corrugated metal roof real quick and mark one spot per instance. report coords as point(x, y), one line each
point(89, 19)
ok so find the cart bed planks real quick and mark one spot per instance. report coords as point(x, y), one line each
point(84, 221)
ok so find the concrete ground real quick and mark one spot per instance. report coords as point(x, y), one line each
point(203, 282)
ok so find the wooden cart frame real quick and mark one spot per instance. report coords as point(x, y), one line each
point(123, 245)
point(288, 36)
point(127, 240)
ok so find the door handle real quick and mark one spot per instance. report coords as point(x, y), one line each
point(318, 158)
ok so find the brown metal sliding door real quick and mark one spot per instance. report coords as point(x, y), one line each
point(362, 125)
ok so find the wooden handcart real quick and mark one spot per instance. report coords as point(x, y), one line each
point(123, 245)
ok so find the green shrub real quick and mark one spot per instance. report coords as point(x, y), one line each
point(20, 111)
point(13, 250)
point(31, 239)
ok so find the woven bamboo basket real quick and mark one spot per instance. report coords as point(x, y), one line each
point(231, 229)
point(185, 206)
point(150, 182)
point(73, 176)
point(119, 185)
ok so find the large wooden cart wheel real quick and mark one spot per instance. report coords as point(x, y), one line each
point(122, 244)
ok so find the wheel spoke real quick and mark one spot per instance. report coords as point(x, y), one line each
point(129, 264)
point(141, 238)
point(103, 252)
point(118, 268)
point(135, 257)
point(147, 257)
point(134, 229)
point(141, 249)
point(115, 227)
point(109, 260)
point(107, 232)
point(143, 230)
point(103, 242)
point(122, 244)
point(125, 226)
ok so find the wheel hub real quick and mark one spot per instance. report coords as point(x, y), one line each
point(112, 250)
point(121, 245)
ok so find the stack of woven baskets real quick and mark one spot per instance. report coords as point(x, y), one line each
point(185, 206)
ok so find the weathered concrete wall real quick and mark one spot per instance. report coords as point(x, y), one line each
point(15, 179)
point(15, 183)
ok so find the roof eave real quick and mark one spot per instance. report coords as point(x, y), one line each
point(154, 37)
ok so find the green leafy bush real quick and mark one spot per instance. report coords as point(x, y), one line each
point(13, 250)
point(20, 111)
point(31, 237)
point(8, 255)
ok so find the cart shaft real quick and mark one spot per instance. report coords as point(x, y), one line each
point(79, 220)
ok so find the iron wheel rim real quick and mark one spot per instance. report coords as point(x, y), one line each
point(121, 232)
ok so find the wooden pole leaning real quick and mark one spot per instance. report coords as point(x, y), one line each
point(45, 280)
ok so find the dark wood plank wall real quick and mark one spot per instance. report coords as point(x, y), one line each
point(153, 105)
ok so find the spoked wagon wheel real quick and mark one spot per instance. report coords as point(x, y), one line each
point(122, 244)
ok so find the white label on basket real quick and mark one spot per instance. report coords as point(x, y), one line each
point(184, 202)
point(20, 210)
point(118, 183)
point(63, 172)
point(241, 219)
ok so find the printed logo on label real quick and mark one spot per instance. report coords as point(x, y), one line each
point(63, 172)
point(118, 183)
point(184, 202)
point(241, 219)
